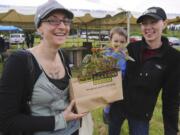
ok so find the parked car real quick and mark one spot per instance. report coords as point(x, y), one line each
point(83, 36)
point(106, 38)
point(174, 41)
point(93, 37)
point(17, 38)
point(135, 38)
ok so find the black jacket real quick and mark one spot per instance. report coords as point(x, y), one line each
point(144, 80)
point(18, 78)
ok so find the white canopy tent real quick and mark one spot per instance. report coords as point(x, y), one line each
point(96, 7)
point(170, 6)
point(78, 7)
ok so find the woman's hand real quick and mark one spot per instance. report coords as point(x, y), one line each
point(70, 115)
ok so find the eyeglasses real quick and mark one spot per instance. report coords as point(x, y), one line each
point(55, 22)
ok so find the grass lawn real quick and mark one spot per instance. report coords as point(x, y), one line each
point(156, 125)
point(177, 47)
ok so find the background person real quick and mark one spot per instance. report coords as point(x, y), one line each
point(156, 67)
point(31, 40)
point(34, 88)
point(27, 39)
point(2, 48)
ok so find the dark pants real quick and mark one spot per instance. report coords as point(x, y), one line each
point(76, 133)
point(136, 127)
point(118, 116)
point(2, 56)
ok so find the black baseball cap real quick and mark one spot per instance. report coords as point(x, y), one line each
point(154, 12)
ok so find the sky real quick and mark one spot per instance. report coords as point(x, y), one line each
point(170, 6)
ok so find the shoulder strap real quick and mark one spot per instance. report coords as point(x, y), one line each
point(65, 62)
point(31, 74)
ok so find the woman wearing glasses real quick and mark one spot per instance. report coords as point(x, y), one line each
point(34, 88)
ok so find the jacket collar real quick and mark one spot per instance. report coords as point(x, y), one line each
point(162, 49)
point(164, 40)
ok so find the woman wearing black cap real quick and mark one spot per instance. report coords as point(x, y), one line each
point(156, 67)
point(34, 88)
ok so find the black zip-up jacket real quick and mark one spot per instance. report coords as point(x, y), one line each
point(144, 80)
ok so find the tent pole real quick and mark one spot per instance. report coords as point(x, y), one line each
point(86, 33)
point(128, 25)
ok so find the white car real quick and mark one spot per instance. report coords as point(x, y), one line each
point(174, 41)
point(93, 37)
point(83, 36)
point(135, 38)
point(16, 38)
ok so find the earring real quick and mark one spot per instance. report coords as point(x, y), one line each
point(40, 34)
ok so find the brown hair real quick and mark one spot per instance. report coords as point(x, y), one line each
point(118, 30)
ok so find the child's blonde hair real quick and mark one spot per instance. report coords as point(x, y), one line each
point(118, 30)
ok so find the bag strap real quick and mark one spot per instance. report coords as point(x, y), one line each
point(32, 77)
point(65, 63)
point(32, 71)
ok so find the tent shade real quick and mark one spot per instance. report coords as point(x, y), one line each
point(174, 21)
point(13, 16)
point(83, 19)
point(87, 21)
point(16, 19)
point(118, 19)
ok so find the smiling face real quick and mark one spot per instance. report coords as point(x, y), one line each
point(55, 28)
point(152, 29)
point(118, 41)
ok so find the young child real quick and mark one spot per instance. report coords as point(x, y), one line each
point(117, 50)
